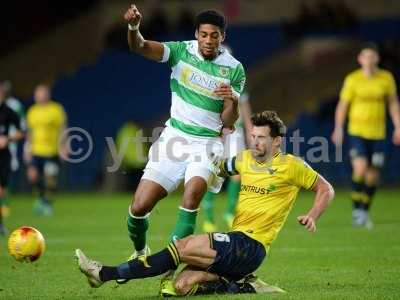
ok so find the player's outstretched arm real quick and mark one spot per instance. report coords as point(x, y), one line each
point(150, 49)
point(324, 195)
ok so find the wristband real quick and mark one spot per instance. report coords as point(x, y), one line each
point(133, 28)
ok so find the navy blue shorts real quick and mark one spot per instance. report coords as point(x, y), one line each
point(372, 150)
point(42, 162)
point(237, 254)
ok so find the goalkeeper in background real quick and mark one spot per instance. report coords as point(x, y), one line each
point(364, 95)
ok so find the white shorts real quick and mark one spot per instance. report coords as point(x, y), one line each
point(176, 156)
point(234, 143)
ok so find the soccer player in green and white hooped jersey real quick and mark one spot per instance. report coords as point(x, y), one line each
point(206, 83)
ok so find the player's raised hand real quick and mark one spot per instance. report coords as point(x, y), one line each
point(133, 16)
point(396, 137)
point(307, 222)
point(337, 136)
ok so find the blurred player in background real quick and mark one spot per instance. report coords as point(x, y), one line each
point(234, 143)
point(18, 108)
point(363, 97)
point(206, 83)
point(216, 262)
point(8, 119)
point(46, 120)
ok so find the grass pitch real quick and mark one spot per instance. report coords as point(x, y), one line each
point(338, 262)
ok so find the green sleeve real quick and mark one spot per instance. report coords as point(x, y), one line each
point(175, 52)
point(238, 80)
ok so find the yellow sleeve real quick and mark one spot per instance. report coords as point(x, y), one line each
point(61, 115)
point(347, 91)
point(302, 174)
point(391, 85)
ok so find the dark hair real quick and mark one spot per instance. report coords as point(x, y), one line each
point(370, 46)
point(212, 17)
point(269, 118)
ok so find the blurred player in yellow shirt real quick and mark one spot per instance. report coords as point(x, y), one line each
point(46, 120)
point(364, 97)
point(270, 181)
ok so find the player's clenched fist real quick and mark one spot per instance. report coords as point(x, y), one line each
point(224, 91)
point(308, 222)
point(133, 16)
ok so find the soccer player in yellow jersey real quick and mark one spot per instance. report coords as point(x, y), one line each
point(270, 183)
point(364, 97)
point(46, 121)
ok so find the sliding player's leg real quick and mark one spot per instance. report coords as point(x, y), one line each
point(192, 281)
point(238, 256)
point(189, 280)
point(193, 250)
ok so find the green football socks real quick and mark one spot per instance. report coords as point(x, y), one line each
point(185, 224)
point(137, 228)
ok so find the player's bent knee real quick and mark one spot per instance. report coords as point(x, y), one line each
point(139, 207)
point(193, 196)
point(183, 245)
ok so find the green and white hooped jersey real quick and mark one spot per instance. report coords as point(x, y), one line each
point(195, 109)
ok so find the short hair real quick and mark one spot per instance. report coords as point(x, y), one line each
point(269, 118)
point(212, 17)
point(370, 46)
point(43, 85)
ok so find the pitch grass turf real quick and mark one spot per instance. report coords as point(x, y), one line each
point(338, 262)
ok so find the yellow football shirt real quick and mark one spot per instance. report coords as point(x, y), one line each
point(267, 193)
point(367, 97)
point(45, 122)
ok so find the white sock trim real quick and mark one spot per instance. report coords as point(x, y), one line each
point(137, 217)
point(188, 210)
